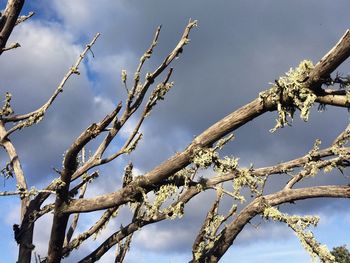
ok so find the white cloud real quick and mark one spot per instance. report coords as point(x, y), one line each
point(86, 16)
point(161, 239)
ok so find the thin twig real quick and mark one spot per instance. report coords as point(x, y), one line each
point(21, 19)
point(12, 46)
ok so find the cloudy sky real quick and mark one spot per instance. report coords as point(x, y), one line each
point(237, 49)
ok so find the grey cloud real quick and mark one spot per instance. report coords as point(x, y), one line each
point(237, 49)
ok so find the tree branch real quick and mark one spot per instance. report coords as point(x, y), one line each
point(37, 115)
point(8, 21)
point(257, 206)
point(21, 19)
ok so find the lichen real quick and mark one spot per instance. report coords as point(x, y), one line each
point(6, 110)
point(246, 179)
point(209, 234)
point(222, 142)
point(299, 224)
point(158, 94)
point(204, 157)
point(132, 146)
point(289, 92)
point(314, 152)
point(174, 212)
point(161, 195)
point(226, 165)
point(124, 76)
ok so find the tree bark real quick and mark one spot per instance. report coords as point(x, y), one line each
point(8, 21)
point(257, 207)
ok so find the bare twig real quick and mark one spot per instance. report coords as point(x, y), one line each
point(144, 57)
point(25, 193)
point(93, 230)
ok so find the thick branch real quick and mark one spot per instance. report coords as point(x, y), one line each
point(8, 21)
point(336, 56)
point(257, 207)
point(134, 226)
point(174, 164)
point(230, 123)
point(69, 167)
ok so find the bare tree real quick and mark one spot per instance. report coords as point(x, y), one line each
point(179, 176)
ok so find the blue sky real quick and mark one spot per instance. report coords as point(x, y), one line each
point(237, 49)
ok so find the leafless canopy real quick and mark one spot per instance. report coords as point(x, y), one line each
point(176, 177)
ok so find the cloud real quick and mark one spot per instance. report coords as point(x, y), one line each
point(164, 240)
point(237, 49)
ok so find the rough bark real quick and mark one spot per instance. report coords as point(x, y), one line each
point(8, 21)
point(257, 207)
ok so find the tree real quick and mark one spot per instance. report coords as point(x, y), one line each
point(341, 254)
point(177, 180)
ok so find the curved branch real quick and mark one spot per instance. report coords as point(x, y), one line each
point(257, 206)
point(333, 59)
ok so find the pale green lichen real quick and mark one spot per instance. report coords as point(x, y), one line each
point(226, 165)
point(75, 70)
point(311, 169)
point(137, 77)
point(246, 179)
point(6, 110)
point(222, 142)
point(124, 76)
point(174, 212)
point(209, 234)
point(314, 153)
point(58, 183)
point(204, 157)
point(329, 168)
point(33, 119)
point(299, 224)
point(162, 89)
point(128, 174)
point(132, 146)
point(199, 187)
point(289, 92)
point(163, 194)
point(158, 94)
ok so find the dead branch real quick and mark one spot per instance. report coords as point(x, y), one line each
point(257, 206)
point(8, 21)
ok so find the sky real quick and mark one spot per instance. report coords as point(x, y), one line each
point(236, 50)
